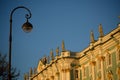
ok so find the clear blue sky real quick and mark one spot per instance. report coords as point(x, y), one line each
point(53, 21)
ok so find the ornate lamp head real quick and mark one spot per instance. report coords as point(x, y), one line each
point(27, 27)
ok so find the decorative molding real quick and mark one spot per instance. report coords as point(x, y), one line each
point(67, 70)
point(102, 58)
point(93, 63)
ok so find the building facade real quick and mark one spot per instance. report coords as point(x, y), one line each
point(99, 61)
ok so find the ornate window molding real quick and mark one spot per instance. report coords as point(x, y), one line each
point(108, 59)
point(118, 54)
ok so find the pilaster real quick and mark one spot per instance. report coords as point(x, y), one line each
point(102, 58)
point(93, 63)
point(67, 72)
point(57, 76)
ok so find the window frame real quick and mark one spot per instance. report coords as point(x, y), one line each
point(109, 59)
point(76, 74)
point(118, 54)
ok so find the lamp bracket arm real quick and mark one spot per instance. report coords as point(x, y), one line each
point(27, 16)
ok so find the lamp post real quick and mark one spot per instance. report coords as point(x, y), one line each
point(27, 27)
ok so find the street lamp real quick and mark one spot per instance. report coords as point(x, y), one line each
point(27, 27)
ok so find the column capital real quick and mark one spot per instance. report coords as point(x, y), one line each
point(47, 79)
point(67, 70)
point(62, 70)
point(101, 58)
point(93, 63)
point(57, 73)
point(99, 78)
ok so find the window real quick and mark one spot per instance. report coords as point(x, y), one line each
point(76, 74)
point(118, 53)
point(109, 59)
point(72, 74)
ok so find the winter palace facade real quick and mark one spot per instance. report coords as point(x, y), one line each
point(99, 61)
